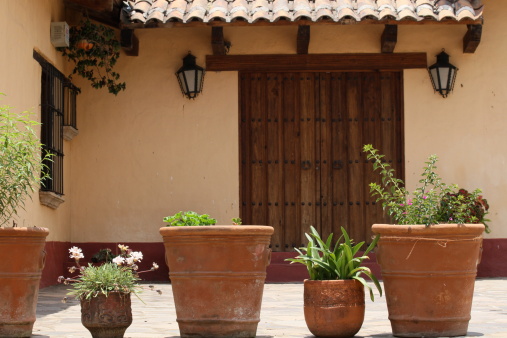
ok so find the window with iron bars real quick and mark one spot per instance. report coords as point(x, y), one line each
point(58, 109)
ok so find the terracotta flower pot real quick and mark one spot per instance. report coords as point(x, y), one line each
point(23, 257)
point(107, 317)
point(217, 275)
point(334, 308)
point(429, 275)
point(84, 44)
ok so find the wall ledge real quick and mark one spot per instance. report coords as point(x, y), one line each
point(50, 199)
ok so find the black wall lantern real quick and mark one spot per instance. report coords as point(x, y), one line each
point(443, 74)
point(190, 77)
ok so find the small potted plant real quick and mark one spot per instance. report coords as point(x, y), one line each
point(104, 290)
point(22, 170)
point(217, 274)
point(334, 294)
point(429, 258)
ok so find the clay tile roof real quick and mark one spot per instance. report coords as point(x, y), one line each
point(166, 11)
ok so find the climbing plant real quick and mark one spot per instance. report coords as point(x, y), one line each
point(95, 50)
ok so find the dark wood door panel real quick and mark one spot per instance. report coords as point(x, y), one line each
point(301, 138)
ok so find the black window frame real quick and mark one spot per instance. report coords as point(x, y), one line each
point(58, 109)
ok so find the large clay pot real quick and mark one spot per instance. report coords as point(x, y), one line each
point(429, 275)
point(334, 308)
point(107, 316)
point(22, 259)
point(217, 275)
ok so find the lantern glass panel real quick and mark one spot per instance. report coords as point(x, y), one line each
point(444, 77)
point(190, 76)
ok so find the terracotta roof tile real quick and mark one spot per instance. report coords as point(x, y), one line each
point(162, 11)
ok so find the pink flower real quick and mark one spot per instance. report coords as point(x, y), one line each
point(425, 197)
point(401, 204)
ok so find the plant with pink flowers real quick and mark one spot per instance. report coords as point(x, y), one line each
point(433, 202)
point(117, 274)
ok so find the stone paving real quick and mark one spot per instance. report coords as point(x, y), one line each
point(281, 314)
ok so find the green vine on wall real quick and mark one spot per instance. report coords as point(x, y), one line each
point(94, 50)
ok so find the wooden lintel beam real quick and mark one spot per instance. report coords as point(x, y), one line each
point(315, 62)
point(129, 42)
point(303, 39)
point(217, 41)
point(472, 38)
point(94, 5)
point(389, 38)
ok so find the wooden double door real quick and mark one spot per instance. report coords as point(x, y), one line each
point(301, 159)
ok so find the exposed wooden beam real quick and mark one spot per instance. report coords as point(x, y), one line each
point(129, 42)
point(389, 38)
point(472, 38)
point(315, 62)
point(106, 12)
point(94, 5)
point(217, 41)
point(303, 39)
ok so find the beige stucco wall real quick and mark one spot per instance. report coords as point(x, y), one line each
point(25, 25)
point(149, 152)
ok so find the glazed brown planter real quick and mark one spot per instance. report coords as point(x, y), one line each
point(107, 317)
point(23, 257)
point(429, 275)
point(217, 275)
point(334, 308)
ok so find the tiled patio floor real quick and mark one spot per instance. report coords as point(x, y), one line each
point(281, 315)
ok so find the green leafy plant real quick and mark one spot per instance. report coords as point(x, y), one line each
point(119, 274)
point(95, 50)
point(236, 221)
point(22, 167)
point(325, 261)
point(432, 202)
point(189, 218)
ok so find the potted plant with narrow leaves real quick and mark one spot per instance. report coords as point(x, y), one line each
point(22, 170)
point(104, 290)
point(334, 294)
point(217, 274)
point(429, 257)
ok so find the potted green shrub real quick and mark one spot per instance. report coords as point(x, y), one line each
point(334, 294)
point(21, 173)
point(104, 290)
point(217, 274)
point(429, 257)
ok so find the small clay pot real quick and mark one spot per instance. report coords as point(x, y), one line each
point(84, 44)
point(334, 308)
point(107, 317)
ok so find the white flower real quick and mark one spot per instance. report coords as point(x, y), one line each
point(123, 247)
point(129, 260)
point(136, 255)
point(118, 260)
point(76, 252)
point(155, 266)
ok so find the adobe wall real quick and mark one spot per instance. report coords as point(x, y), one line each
point(149, 152)
point(25, 26)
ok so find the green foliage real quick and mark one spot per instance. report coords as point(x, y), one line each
point(432, 202)
point(96, 60)
point(189, 218)
point(22, 167)
point(108, 277)
point(327, 262)
point(237, 221)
